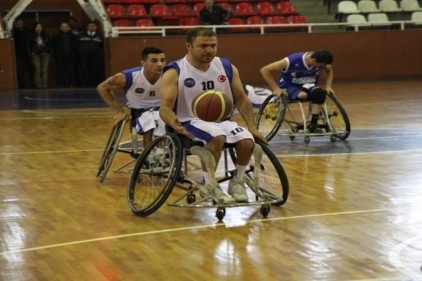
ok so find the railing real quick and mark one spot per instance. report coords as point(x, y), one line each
point(267, 28)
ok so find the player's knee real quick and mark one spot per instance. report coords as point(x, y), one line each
point(318, 96)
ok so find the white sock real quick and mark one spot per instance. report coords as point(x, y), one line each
point(240, 171)
point(206, 177)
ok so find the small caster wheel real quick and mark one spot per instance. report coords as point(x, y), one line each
point(333, 138)
point(191, 198)
point(220, 213)
point(265, 210)
point(307, 139)
point(292, 137)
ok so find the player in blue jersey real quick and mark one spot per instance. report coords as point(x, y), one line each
point(202, 70)
point(300, 73)
point(142, 88)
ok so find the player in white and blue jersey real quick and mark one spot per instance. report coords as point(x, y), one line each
point(300, 74)
point(142, 88)
point(202, 70)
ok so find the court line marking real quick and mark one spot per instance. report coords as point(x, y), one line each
point(228, 225)
point(395, 260)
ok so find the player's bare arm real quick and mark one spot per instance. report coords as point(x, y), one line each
point(169, 91)
point(244, 105)
point(269, 71)
point(106, 90)
point(329, 76)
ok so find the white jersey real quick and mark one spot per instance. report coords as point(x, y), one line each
point(193, 81)
point(139, 91)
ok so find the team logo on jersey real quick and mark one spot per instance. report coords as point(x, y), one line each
point(139, 90)
point(294, 74)
point(189, 82)
point(221, 78)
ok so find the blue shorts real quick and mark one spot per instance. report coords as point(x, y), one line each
point(293, 91)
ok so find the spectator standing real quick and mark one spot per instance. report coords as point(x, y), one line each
point(39, 50)
point(64, 49)
point(213, 14)
point(20, 36)
point(91, 43)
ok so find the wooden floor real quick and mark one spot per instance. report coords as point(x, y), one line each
point(354, 211)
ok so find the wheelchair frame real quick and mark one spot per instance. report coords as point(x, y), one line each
point(114, 145)
point(153, 179)
point(275, 116)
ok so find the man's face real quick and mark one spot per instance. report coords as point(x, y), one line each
point(64, 27)
point(18, 24)
point(203, 49)
point(154, 63)
point(91, 27)
point(208, 4)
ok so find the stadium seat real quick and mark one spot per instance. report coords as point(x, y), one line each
point(145, 22)
point(194, 1)
point(137, 11)
point(237, 21)
point(410, 6)
point(345, 8)
point(244, 9)
point(226, 6)
point(388, 6)
point(141, 1)
point(160, 11)
point(356, 19)
point(285, 9)
point(115, 11)
point(297, 20)
point(122, 23)
point(172, 2)
point(368, 6)
point(276, 20)
point(255, 20)
point(182, 10)
point(197, 8)
point(265, 9)
point(189, 21)
point(112, 1)
point(379, 20)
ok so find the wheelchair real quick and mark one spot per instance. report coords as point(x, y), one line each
point(278, 115)
point(114, 145)
point(178, 164)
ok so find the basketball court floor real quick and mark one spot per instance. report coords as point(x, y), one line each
point(354, 210)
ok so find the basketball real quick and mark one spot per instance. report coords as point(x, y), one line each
point(212, 106)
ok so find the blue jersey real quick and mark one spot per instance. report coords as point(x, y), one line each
point(297, 73)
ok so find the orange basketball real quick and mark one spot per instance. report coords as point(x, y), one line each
point(212, 106)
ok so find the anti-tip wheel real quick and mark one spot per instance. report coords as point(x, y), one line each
point(265, 210)
point(307, 139)
point(220, 213)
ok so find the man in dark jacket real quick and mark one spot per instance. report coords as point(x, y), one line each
point(213, 14)
point(20, 36)
point(91, 56)
point(64, 47)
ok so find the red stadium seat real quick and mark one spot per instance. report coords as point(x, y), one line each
point(160, 11)
point(137, 11)
point(226, 6)
point(189, 21)
point(182, 10)
point(297, 20)
point(122, 23)
point(115, 11)
point(286, 8)
point(141, 1)
point(194, 1)
point(174, 2)
point(145, 22)
point(244, 9)
point(237, 21)
point(197, 8)
point(255, 20)
point(265, 9)
point(276, 20)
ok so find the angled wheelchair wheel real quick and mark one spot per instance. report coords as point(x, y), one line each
point(273, 182)
point(335, 118)
point(154, 175)
point(110, 150)
point(270, 115)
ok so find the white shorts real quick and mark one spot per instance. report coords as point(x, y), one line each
point(206, 131)
point(150, 120)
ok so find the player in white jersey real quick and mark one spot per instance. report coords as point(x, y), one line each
point(201, 70)
point(299, 76)
point(142, 88)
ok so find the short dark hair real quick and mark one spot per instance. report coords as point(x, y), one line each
point(323, 56)
point(199, 31)
point(150, 50)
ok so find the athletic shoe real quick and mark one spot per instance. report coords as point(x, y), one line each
point(237, 190)
point(218, 195)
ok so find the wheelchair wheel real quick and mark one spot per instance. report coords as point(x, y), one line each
point(336, 118)
point(270, 115)
point(154, 175)
point(274, 184)
point(110, 150)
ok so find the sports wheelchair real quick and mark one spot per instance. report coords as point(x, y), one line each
point(174, 161)
point(277, 115)
point(132, 147)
